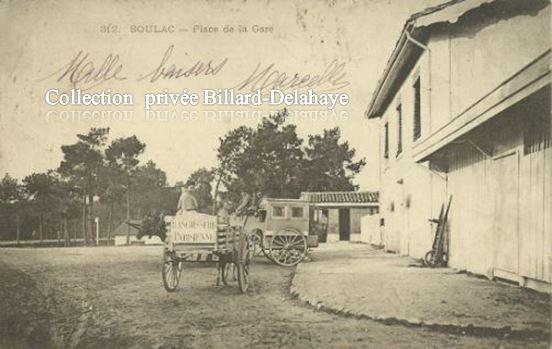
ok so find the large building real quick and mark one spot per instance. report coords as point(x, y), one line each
point(464, 110)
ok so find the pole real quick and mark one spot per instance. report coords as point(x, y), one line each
point(128, 211)
point(65, 232)
point(84, 218)
point(17, 228)
point(40, 228)
point(109, 224)
point(97, 221)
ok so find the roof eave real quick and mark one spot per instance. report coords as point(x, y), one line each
point(419, 22)
point(374, 109)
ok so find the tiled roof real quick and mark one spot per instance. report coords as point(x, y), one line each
point(341, 197)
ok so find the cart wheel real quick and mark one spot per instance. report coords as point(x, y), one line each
point(266, 253)
point(288, 247)
point(256, 239)
point(228, 273)
point(243, 259)
point(266, 250)
point(171, 270)
point(428, 259)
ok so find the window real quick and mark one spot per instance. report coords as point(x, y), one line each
point(297, 212)
point(386, 141)
point(417, 116)
point(399, 129)
point(278, 211)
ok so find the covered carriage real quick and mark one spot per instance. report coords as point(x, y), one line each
point(281, 230)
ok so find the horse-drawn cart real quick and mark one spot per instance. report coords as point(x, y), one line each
point(196, 237)
point(280, 229)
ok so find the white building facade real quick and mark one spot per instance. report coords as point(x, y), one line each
point(464, 110)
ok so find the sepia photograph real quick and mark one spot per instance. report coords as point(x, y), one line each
point(228, 174)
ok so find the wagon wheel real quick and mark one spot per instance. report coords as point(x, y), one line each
point(228, 273)
point(288, 247)
point(256, 240)
point(243, 258)
point(171, 270)
point(262, 248)
point(266, 253)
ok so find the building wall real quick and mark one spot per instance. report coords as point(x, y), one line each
point(356, 215)
point(406, 201)
point(470, 59)
point(355, 224)
point(480, 184)
point(465, 62)
point(370, 230)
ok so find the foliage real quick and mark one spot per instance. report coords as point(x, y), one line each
point(329, 164)
point(83, 160)
point(151, 194)
point(272, 160)
point(200, 185)
point(10, 191)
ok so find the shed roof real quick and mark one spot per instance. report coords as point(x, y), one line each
point(122, 229)
point(341, 197)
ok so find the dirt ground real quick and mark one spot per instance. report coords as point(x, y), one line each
point(112, 297)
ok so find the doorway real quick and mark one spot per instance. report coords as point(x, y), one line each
point(344, 224)
point(506, 216)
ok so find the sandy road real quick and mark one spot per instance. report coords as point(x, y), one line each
point(113, 298)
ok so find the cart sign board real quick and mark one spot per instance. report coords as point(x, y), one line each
point(192, 227)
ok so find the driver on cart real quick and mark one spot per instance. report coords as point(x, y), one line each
point(187, 201)
point(249, 204)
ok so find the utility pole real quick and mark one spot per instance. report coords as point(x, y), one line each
point(17, 228)
point(128, 210)
point(40, 228)
point(97, 221)
point(84, 218)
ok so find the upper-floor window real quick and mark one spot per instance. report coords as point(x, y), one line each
point(417, 112)
point(399, 129)
point(386, 140)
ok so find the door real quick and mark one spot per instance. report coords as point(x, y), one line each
point(506, 215)
point(344, 224)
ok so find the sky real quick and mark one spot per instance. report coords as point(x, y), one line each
point(40, 39)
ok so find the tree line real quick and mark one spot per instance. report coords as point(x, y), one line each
point(103, 177)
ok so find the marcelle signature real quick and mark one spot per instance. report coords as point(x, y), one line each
point(332, 78)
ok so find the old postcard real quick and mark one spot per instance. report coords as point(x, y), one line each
point(275, 174)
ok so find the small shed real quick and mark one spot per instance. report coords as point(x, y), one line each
point(336, 215)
